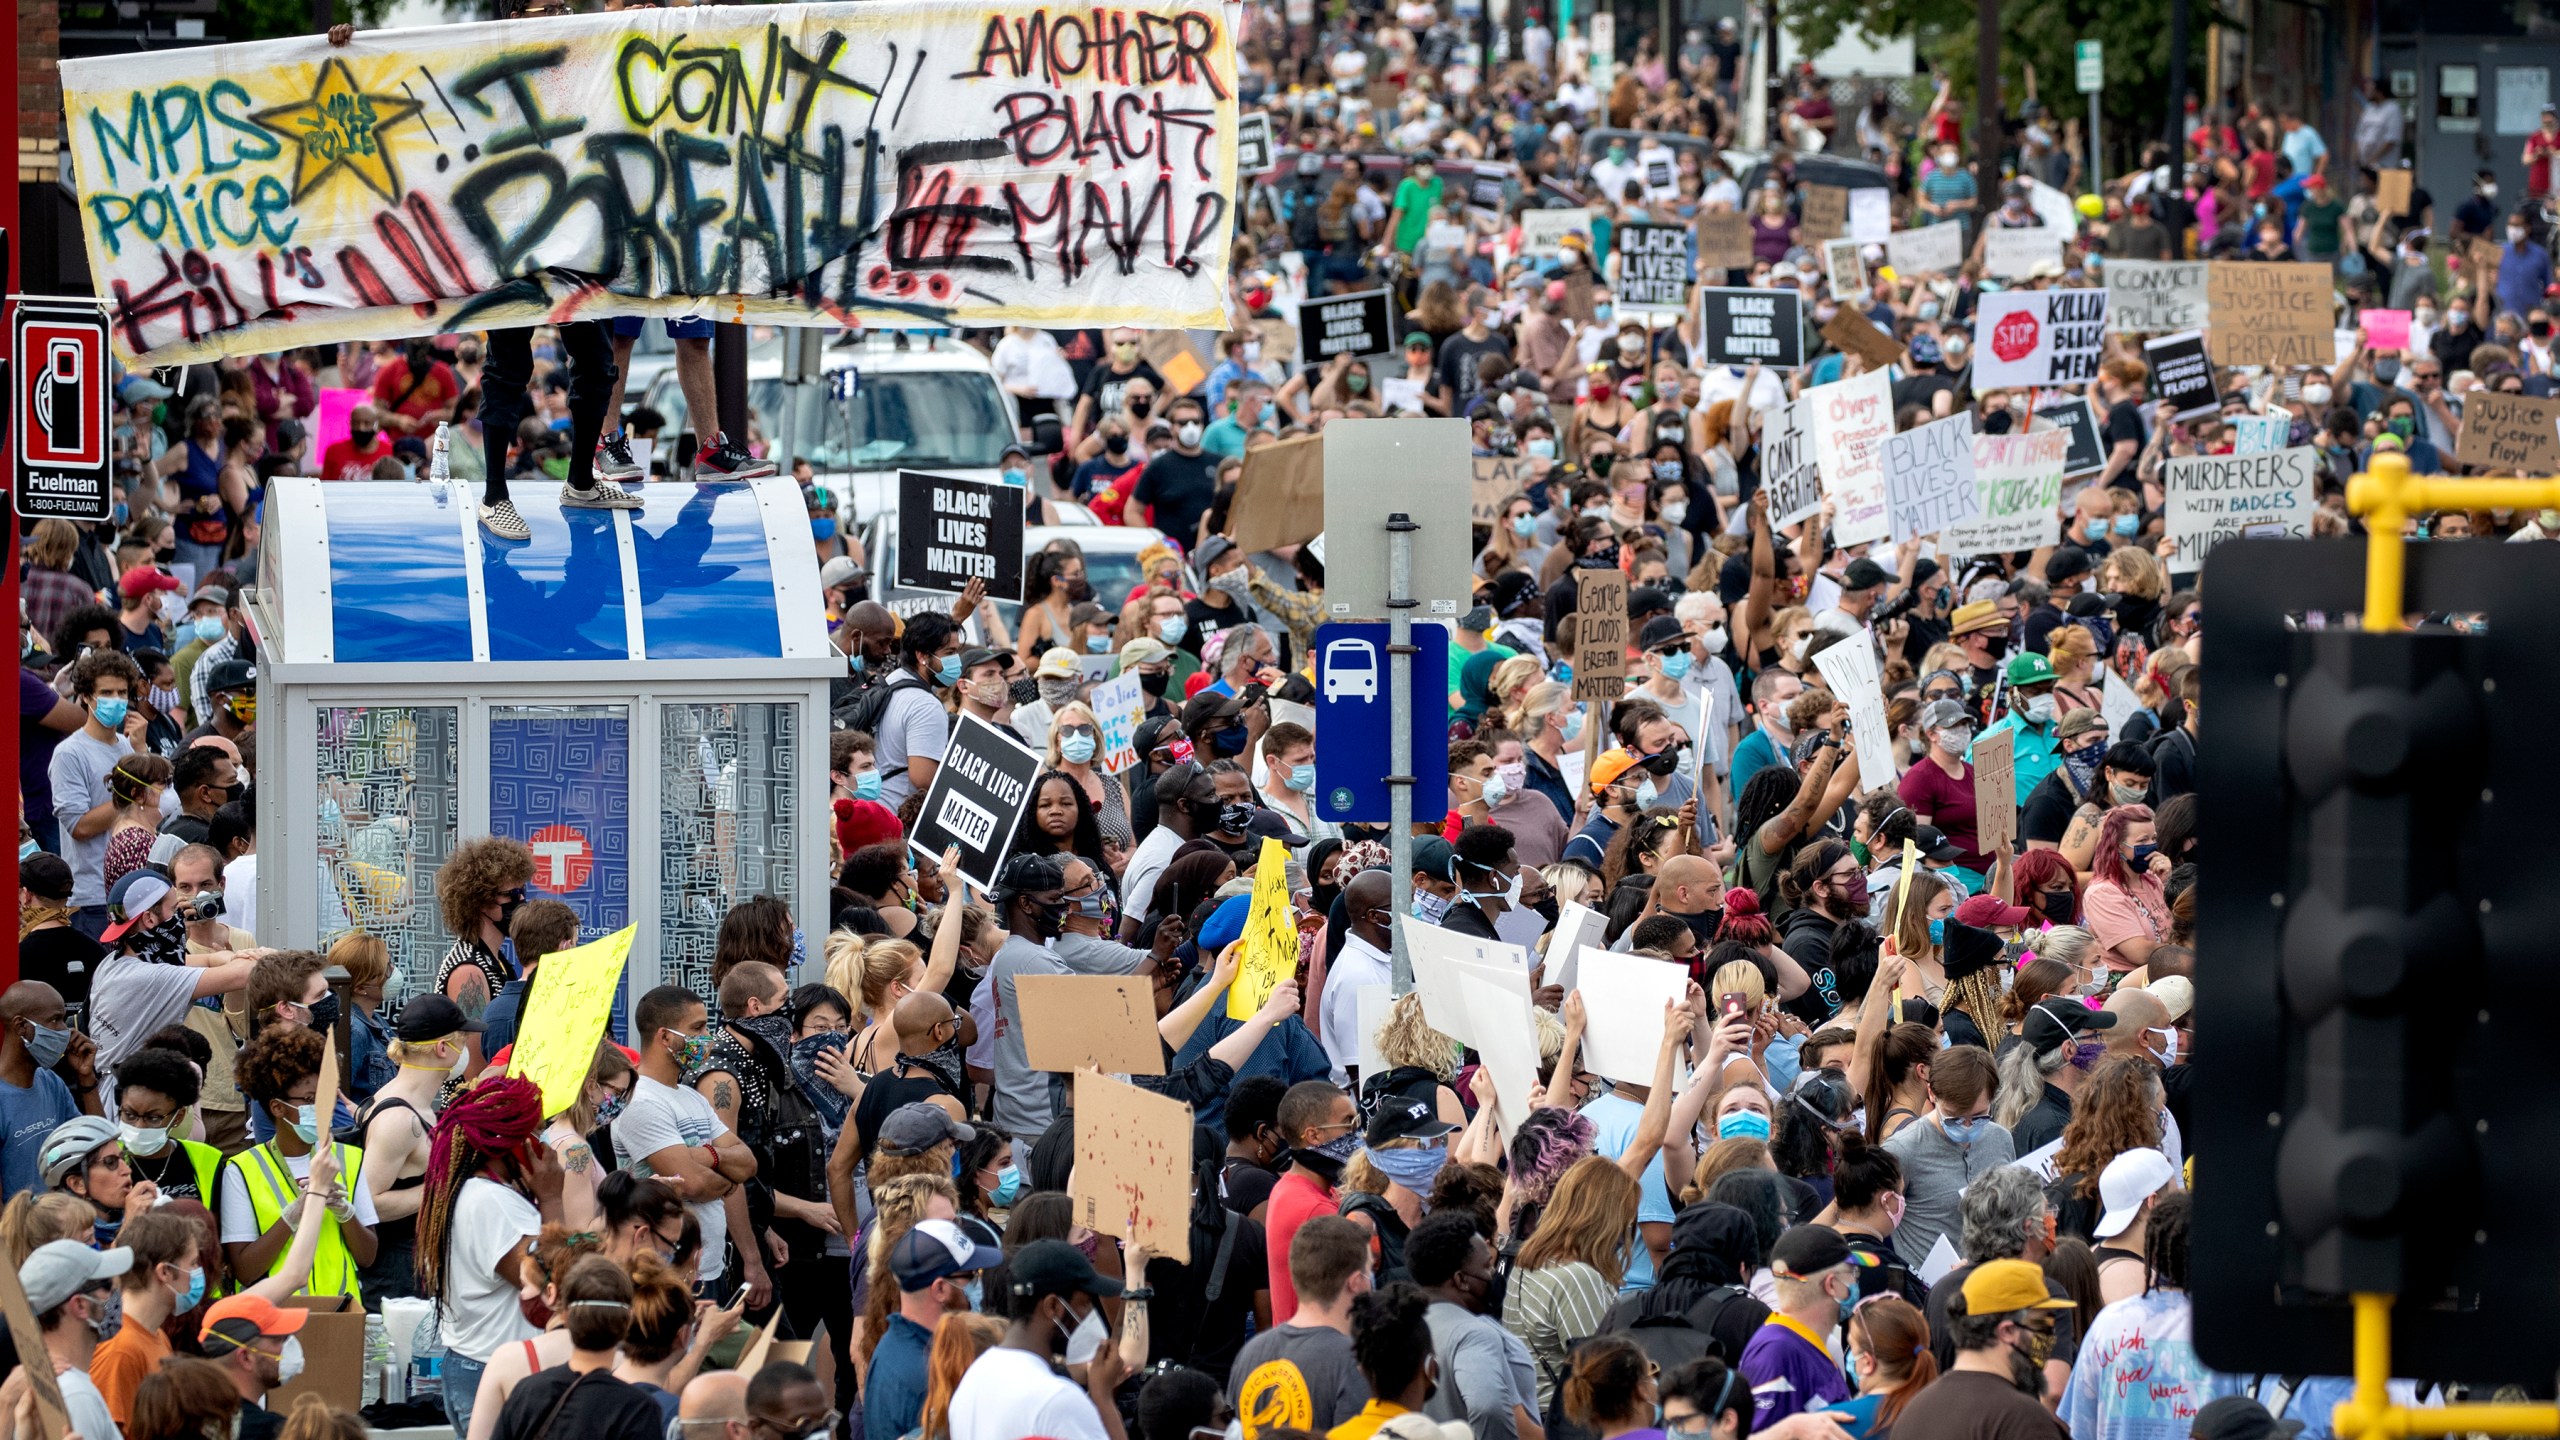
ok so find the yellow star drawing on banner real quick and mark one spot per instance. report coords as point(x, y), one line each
point(340, 125)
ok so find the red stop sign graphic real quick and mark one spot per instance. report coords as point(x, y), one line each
point(2014, 338)
point(562, 858)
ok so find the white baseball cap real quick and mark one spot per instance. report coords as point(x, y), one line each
point(2128, 1180)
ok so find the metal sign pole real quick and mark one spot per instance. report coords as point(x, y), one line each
point(1400, 603)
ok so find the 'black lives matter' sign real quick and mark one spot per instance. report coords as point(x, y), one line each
point(977, 798)
point(953, 531)
point(1751, 327)
point(1653, 267)
point(1353, 325)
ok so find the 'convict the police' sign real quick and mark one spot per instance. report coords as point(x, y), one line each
point(953, 531)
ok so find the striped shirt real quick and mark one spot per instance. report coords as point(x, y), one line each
point(1552, 1310)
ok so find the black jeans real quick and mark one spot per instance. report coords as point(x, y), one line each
point(504, 400)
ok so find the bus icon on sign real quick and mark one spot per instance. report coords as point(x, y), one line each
point(1351, 670)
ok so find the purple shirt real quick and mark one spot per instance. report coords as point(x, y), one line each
point(1788, 1373)
point(36, 700)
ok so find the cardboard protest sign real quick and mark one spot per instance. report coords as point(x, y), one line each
point(1090, 1022)
point(2182, 374)
point(1850, 421)
point(1119, 706)
point(1542, 232)
point(52, 1417)
point(1843, 262)
point(2508, 433)
point(1498, 478)
point(1280, 496)
point(1724, 240)
point(1600, 634)
point(1870, 214)
point(2038, 337)
point(2149, 296)
point(2257, 434)
point(1787, 468)
point(1859, 685)
point(1355, 325)
point(2272, 313)
point(1624, 994)
point(1580, 296)
point(2017, 492)
point(1825, 215)
point(1132, 1175)
point(1928, 475)
point(1995, 791)
point(1270, 935)
point(977, 798)
point(2016, 254)
point(1653, 268)
point(952, 531)
point(1927, 250)
point(1253, 144)
point(2391, 190)
point(655, 162)
point(1852, 333)
point(2385, 329)
point(565, 1014)
point(2214, 497)
point(1751, 327)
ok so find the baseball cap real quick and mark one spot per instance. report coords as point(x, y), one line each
point(1608, 767)
point(1435, 857)
point(2241, 1417)
point(840, 571)
point(2176, 992)
point(142, 390)
point(2066, 562)
point(239, 1320)
point(1417, 340)
point(1145, 650)
point(1054, 1267)
point(2079, 723)
point(1401, 1119)
point(232, 674)
point(935, 1249)
point(915, 1128)
point(1209, 705)
point(1056, 663)
point(130, 899)
point(72, 1142)
point(1976, 615)
point(1661, 630)
point(143, 580)
point(1946, 715)
point(971, 659)
point(1987, 910)
point(433, 1017)
point(2055, 1020)
point(1933, 844)
point(1863, 574)
point(211, 594)
point(1262, 824)
point(1225, 925)
point(1209, 553)
point(60, 1269)
point(2129, 1179)
point(2030, 668)
point(1805, 1251)
point(1998, 1287)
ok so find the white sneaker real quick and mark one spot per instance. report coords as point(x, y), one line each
point(603, 495)
point(502, 521)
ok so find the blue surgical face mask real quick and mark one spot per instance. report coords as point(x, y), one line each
point(1937, 932)
point(47, 1045)
point(2127, 524)
point(1172, 628)
point(1749, 1124)
point(209, 628)
point(306, 1124)
point(110, 711)
point(1076, 749)
point(1008, 1188)
point(1017, 477)
point(1966, 1130)
point(866, 786)
point(195, 1290)
point(1301, 778)
point(975, 1287)
point(1573, 725)
point(1430, 909)
point(822, 527)
point(1675, 664)
point(2095, 529)
point(1097, 644)
point(28, 849)
point(1540, 447)
point(948, 672)
point(1526, 526)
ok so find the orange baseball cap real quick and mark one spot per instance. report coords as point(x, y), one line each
point(242, 1319)
point(1606, 769)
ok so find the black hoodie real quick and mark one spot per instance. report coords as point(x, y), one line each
point(1703, 1282)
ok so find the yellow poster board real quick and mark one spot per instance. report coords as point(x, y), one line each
point(1270, 936)
point(565, 1014)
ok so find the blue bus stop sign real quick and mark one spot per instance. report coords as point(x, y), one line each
point(1352, 734)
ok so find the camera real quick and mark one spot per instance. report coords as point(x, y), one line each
point(206, 906)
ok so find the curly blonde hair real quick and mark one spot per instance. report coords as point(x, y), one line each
point(474, 875)
point(1408, 1039)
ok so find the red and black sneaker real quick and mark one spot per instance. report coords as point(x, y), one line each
point(613, 458)
point(726, 459)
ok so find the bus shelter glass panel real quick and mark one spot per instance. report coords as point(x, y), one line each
point(389, 809)
point(728, 809)
point(560, 781)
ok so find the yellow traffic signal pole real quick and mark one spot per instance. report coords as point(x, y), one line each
point(2386, 496)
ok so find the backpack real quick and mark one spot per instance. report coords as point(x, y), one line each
point(1672, 1338)
point(864, 707)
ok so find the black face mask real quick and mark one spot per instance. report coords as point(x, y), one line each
point(1228, 740)
point(324, 1011)
point(1079, 591)
point(1116, 444)
point(1204, 814)
point(1703, 925)
point(1140, 408)
point(1155, 684)
point(1233, 816)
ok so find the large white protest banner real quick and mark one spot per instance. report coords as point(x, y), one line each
point(1850, 420)
point(2214, 497)
point(1928, 477)
point(2015, 254)
point(2017, 492)
point(901, 162)
point(2147, 297)
point(1851, 670)
point(1928, 250)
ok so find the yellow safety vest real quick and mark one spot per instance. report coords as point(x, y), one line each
point(272, 1191)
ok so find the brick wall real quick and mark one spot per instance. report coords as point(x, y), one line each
point(39, 87)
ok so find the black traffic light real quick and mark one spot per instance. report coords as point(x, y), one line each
point(2374, 1040)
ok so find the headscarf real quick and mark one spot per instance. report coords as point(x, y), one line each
point(1475, 683)
point(1322, 895)
point(1142, 787)
point(1189, 879)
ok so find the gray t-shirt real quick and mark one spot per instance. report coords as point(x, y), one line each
point(1935, 1171)
point(79, 774)
point(132, 999)
point(913, 723)
point(1093, 955)
point(1296, 1377)
point(1022, 1096)
point(1484, 1371)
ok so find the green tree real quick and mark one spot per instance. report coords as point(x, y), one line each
point(2134, 32)
point(272, 19)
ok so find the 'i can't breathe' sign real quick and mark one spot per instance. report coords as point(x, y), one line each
point(2039, 337)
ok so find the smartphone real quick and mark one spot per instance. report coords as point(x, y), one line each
point(1733, 1004)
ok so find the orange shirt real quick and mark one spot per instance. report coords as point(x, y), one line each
point(119, 1364)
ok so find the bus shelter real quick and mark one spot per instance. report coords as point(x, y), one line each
point(637, 695)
